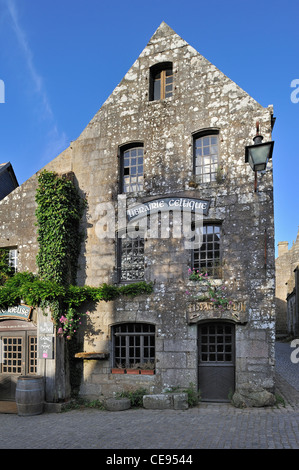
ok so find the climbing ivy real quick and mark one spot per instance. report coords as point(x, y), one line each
point(36, 292)
point(58, 213)
point(59, 210)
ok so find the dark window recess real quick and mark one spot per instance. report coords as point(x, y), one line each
point(134, 344)
point(161, 81)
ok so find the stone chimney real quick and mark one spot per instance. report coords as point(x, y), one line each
point(283, 247)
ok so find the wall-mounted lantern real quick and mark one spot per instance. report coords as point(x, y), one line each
point(258, 154)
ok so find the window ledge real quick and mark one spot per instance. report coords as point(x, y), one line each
point(92, 355)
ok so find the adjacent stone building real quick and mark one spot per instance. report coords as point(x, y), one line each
point(168, 144)
point(285, 265)
point(293, 304)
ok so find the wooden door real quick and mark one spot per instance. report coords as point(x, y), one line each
point(216, 364)
point(18, 357)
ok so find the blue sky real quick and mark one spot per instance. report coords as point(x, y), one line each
point(61, 59)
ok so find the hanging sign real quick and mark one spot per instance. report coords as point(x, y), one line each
point(20, 312)
point(168, 204)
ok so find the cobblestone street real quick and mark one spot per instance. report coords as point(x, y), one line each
point(208, 426)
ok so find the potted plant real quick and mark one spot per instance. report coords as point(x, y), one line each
point(119, 369)
point(147, 368)
point(133, 369)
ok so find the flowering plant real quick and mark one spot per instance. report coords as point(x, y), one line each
point(68, 324)
point(215, 294)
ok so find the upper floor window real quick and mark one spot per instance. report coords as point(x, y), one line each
point(161, 81)
point(8, 263)
point(206, 153)
point(206, 258)
point(13, 259)
point(132, 168)
point(131, 257)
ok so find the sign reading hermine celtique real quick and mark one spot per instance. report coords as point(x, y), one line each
point(168, 204)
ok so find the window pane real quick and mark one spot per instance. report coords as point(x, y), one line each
point(132, 259)
point(207, 257)
point(137, 337)
point(133, 166)
point(157, 89)
point(206, 157)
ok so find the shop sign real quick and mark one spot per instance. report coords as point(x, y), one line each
point(46, 340)
point(45, 347)
point(199, 206)
point(20, 312)
point(234, 311)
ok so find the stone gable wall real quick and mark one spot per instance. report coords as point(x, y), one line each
point(203, 98)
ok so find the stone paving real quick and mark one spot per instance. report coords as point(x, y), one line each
point(208, 426)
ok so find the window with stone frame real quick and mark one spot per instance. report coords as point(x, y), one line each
point(161, 81)
point(206, 156)
point(131, 168)
point(133, 345)
point(8, 263)
point(206, 258)
point(131, 256)
point(13, 259)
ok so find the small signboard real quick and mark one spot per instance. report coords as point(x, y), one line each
point(20, 312)
point(46, 328)
point(46, 347)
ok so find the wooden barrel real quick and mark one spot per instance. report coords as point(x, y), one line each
point(30, 395)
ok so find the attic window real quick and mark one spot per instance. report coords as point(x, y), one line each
point(161, 81)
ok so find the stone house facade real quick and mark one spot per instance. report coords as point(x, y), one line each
point(169, 143)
